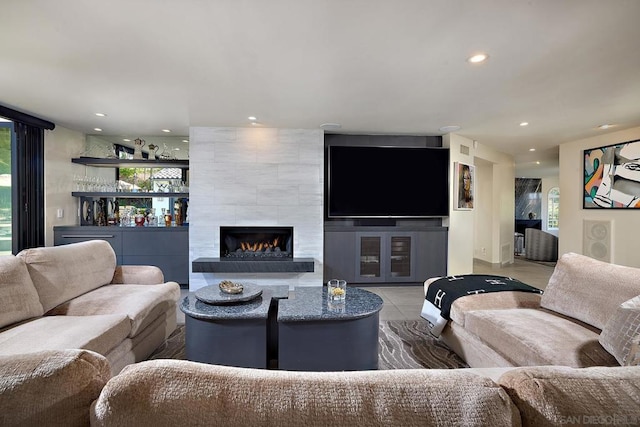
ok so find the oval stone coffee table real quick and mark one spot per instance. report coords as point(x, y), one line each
point(295, 330)
point(315, 334)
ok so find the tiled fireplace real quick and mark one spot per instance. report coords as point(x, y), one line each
point(265, 178)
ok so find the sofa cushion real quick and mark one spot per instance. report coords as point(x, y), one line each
point(138, 274)
point(621, 334)
point(60, 273)
point(168, 392)
point(492, 301)
point(589, 290)
point(528, 337)
point(142, 304)
point(50, 388)
point(95, 333)
point(18, 296)
point(554, 395)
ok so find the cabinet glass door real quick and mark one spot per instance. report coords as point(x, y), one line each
point(370, 257)
point(400, 250)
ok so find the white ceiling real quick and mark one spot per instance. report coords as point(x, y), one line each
point(564, 66)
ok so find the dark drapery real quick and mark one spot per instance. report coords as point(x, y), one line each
point(28, 187)
point(27, 176)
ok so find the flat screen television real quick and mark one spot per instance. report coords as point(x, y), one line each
point(387, 182)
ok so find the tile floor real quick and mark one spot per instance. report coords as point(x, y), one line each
point(405, 302)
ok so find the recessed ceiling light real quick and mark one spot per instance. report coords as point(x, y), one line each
point(537, 163)
point(480, 57)
point(166, 130)
point(101, 115)
point(451, 128)
point(524, 124)
point(532, 149)
point(606, 126)
point(126, 140)
point(252, 118)
point(330, 126)
point(97, 129)
point(185, 140)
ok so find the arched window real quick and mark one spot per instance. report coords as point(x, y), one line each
point(553, 208)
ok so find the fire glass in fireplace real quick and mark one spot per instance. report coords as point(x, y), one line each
point(255, 243)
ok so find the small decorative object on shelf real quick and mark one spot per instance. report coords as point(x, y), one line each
point(153, 150)
point(167, 153)
point(110, 152)
point(137, 150)
point(152, 219)
point(139, 219)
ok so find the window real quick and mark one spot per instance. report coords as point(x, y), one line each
point(27, 178)
point(6, 135)
point(553, 208)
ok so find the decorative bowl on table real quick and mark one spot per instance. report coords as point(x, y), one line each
point(219, 294)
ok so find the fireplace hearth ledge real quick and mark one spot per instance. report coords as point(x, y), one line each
point(218, 265)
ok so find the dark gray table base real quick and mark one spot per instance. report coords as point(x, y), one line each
point(240, 342)
point(300, 333)
point(340, 345)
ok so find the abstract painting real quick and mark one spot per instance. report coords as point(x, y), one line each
point(612, 176)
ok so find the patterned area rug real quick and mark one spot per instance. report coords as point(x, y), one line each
point(404, 344)
point(407, 344)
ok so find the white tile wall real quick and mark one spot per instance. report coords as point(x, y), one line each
point(249, 176)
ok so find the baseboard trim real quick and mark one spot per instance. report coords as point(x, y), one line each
point(490, 264)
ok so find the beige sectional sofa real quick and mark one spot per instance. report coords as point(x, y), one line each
point(177, 392)
point(576, 322)
point(56, 301)
point(589, 315)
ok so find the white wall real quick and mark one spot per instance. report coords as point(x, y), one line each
point(256, 176)
point(483, 210)
point(461, 223)
point(60, 145)
point(503, 224)
point(626, 223)
point(495, 204)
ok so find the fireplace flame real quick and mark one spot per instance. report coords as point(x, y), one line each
point(259, 246)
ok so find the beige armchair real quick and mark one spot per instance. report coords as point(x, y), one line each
point(540, 245)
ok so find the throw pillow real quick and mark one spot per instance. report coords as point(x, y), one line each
point(589, 290)
point(621, 335)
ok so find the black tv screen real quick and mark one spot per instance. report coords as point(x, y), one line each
point(388, 182)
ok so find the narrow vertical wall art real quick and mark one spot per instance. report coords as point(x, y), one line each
point(464, 188)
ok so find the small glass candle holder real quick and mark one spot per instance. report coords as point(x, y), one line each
point(336, 290)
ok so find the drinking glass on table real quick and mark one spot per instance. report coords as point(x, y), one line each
point(336, 290)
